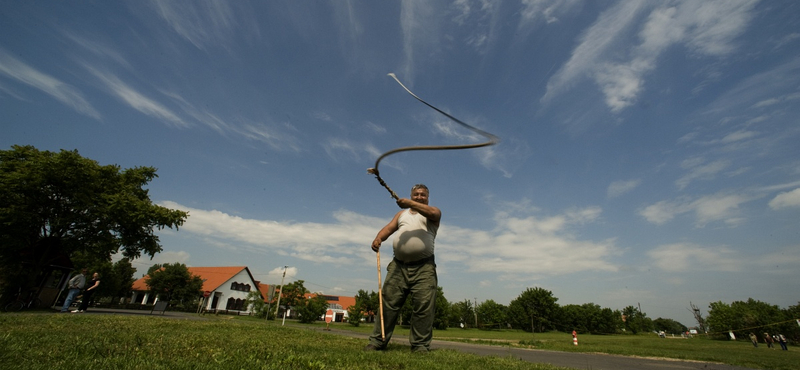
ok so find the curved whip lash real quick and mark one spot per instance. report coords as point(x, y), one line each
point(491, 140)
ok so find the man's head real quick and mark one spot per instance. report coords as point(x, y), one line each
point(83, 271)
point(419, 193)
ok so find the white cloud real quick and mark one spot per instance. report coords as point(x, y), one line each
point(786, 199)
point(549, 10)
point(526, 246)
point(203, 24)
point(594, 43)
point(143, 263)
point(663, 211)
point(15, 69)
point(718, 207)
point(707, 28)
point(137, 100)
point(711, 208)
point(700, 171)
point(420, 33)
point(682, 257)
point(618, 188)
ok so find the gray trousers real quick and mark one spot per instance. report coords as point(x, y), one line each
point(421, 282)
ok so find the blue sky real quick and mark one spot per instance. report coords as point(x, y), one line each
point(649, 148)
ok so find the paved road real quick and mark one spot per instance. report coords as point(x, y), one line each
point(566, 359)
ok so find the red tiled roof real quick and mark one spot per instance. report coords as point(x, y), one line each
point(213, 277)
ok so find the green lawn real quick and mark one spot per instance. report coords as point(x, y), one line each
point(94, 341)
point(45, 340)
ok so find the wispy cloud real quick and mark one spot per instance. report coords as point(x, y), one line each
point(420, 34)
point(698, 170)
point(137, 100)
point(711, 208)
point(682, 257)
point(786, 200)
point(705, 28)
point(547, 10)
point(19, 71)
point(338, 148)
point(618, 188)
point(203, 24)
point(593, 45)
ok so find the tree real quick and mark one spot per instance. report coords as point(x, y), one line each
point(636, 321)
point(740, 316)
point(588, 318)
point(367, 304)
point(355, 314)
point(255, 301)
point(174, 283)
point(535, 310)
point(312, 308)
point(53, 205)
point(294, 294)
point(492, 314)
point(669, 326)
point(462, 313)
point(442, 310)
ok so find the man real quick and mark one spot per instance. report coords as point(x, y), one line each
point(75, 285)
point(412, 271)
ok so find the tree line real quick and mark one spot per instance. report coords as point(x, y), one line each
point(534, 310)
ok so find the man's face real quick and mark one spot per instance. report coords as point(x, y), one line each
point(419, 195)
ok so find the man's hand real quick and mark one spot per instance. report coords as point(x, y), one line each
point(405, 203)
point(376, 244)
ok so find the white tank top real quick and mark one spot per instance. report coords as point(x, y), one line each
point(414, 238)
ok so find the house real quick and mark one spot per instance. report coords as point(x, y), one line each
point(226, 288)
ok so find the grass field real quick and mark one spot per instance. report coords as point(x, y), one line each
point(39, 340)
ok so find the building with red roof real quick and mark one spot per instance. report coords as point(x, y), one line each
point(227, 289)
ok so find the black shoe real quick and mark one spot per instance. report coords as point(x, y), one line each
point(371, 347)
point(420, 350)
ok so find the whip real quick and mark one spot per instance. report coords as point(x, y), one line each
point(491, 140)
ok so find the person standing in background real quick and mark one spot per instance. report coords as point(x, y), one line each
point(88, 293)
point(75, 285)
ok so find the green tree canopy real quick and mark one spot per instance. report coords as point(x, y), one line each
point(492, 314)
point(535, 309)
point(293, 294)
point(311, 309)
point(742, 316)
point(174, 283)
point(367, 304)
point(669, 326)
point(636, 321)
point(53, 205)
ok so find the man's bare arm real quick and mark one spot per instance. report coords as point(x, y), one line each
point(385, 232)
point(432, 213)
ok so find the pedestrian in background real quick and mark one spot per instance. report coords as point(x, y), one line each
point(88, 293)
point(75, 285)
point(754, 339)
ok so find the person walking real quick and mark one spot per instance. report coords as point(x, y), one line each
point(782, 341)
point(768, 339)
point(75, 285)
point(411, 272)
point(88, 293)
point(754, 339)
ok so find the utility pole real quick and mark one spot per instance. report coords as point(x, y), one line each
point(476, 312)
point(281, 292)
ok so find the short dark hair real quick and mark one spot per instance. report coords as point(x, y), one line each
point(420, 186)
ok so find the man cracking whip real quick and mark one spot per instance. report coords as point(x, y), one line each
point(412, 271)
